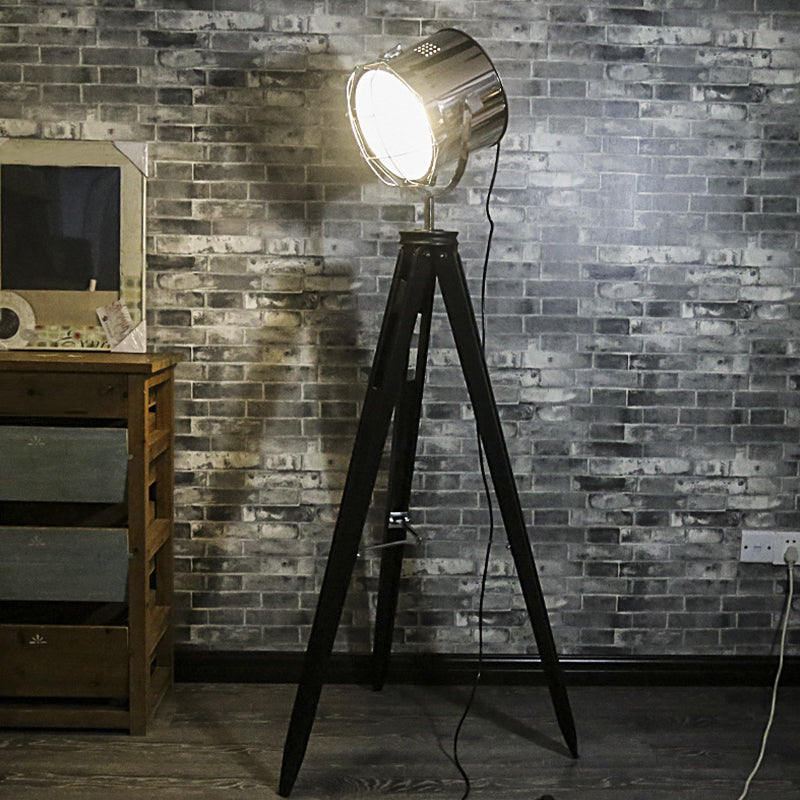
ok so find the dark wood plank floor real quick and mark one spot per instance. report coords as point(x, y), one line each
point(225, 741)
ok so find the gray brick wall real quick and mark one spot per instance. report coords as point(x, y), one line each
point(642, 305)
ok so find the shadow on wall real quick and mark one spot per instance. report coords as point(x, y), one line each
point(278, 368)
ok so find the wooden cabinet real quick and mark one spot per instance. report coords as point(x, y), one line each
point(86, 547)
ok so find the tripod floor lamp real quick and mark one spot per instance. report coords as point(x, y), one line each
point(416, 116)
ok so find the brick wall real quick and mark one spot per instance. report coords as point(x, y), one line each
point(642, 306)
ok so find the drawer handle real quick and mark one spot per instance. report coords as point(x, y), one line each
point(37, 638)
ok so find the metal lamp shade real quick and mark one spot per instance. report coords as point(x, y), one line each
point(416, 114)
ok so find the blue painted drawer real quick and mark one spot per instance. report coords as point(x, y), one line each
point(60, 464)
point(63, 564)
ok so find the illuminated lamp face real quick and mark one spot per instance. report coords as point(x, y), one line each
point(394, 126)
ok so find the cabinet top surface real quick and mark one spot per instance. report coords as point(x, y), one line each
point(80, 361)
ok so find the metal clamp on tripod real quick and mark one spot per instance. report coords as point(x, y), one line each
point(398, 521)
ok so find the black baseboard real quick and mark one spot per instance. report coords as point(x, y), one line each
point(196, 665)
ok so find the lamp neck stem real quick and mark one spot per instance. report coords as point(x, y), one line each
point(428, 213)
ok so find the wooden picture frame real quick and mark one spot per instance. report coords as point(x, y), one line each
point(72, 228)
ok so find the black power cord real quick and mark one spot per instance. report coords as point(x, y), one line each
point(482, 596)
point(490, 540)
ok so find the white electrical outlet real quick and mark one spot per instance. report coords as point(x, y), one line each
point(784, 540)
point(767, 547)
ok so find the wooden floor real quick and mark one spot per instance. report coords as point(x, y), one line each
point(224, 741)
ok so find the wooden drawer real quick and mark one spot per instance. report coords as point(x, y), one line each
point(51, 464)
point(79, 564)
point(63, 661)
point(67, 394)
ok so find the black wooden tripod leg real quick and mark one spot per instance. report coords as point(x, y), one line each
point(386, 378)
point(465, 332)
point(401, 468)
point(388, 591)
point(401, 471)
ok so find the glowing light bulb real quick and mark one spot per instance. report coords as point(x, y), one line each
point(394, 126)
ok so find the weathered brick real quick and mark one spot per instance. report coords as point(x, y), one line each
point(641, 304)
